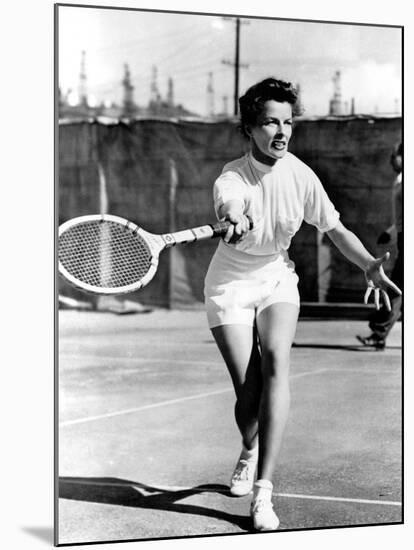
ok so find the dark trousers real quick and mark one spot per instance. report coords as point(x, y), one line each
point(383, 320)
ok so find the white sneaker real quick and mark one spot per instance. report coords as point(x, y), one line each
point(264, 518)
point(242, 480)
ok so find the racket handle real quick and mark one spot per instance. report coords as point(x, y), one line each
point(220, 228)
point(197, 233)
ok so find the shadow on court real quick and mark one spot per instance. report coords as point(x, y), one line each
point(121, 492)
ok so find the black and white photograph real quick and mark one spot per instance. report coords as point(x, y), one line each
point(230, 274)
point(205, 290)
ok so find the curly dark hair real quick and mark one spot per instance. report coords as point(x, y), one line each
point(252, 102)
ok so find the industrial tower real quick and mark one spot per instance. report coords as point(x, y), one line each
point(82, 90)
point(128, 105)
point(155, 97)
point(210, 95)
point(335, 104)
point(170, 93)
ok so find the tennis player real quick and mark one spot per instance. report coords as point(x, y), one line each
point(251, 288)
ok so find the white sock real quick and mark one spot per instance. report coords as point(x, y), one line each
point(263, 490)
point(249, 454)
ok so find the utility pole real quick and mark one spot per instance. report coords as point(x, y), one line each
point(237, 65)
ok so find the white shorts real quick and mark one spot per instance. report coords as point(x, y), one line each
point(238, 286)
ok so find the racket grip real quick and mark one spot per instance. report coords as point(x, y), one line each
point(220, 228)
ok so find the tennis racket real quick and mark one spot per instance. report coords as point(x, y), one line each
point(105, 254)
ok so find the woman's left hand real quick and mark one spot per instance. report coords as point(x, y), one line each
point(379, 282)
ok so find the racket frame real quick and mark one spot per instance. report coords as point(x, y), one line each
point(154, 242)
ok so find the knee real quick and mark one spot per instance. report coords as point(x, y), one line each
point(275, 364)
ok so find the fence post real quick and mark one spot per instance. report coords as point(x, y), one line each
point(172, 225)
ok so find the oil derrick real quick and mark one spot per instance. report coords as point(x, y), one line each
point(210, 95)
point(155, 97)
point(82, 90)
point(128, 104)
point(170, 93)
point(335, 104)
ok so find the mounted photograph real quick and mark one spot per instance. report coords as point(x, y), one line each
point(228, 274)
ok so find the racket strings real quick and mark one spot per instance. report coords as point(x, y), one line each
point(104, 254)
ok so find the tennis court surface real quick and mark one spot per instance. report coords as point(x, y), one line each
point(147, 438)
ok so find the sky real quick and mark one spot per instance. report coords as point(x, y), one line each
point(187, 47)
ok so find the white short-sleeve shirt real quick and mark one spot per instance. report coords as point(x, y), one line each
point(278, 198)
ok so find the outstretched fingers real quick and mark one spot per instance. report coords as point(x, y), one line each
point(392, 285)
point(368, 294)
point(379, 283)
point(376, 295)
point(386, 299)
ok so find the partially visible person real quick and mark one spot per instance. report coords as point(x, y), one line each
point(384, 319)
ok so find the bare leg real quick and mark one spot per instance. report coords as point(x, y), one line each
point(239, 348)
point(276, 327)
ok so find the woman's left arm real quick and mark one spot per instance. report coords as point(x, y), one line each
point(351, 247)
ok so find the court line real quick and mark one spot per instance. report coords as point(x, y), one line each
point(138, 360)
point(168, 402)
point(143, 408)
point(159, 343)
point(176, 488)
point(340, 499)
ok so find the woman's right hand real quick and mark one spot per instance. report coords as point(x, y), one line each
point(240, 226)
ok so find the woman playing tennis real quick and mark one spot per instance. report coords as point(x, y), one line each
point(251, 291)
